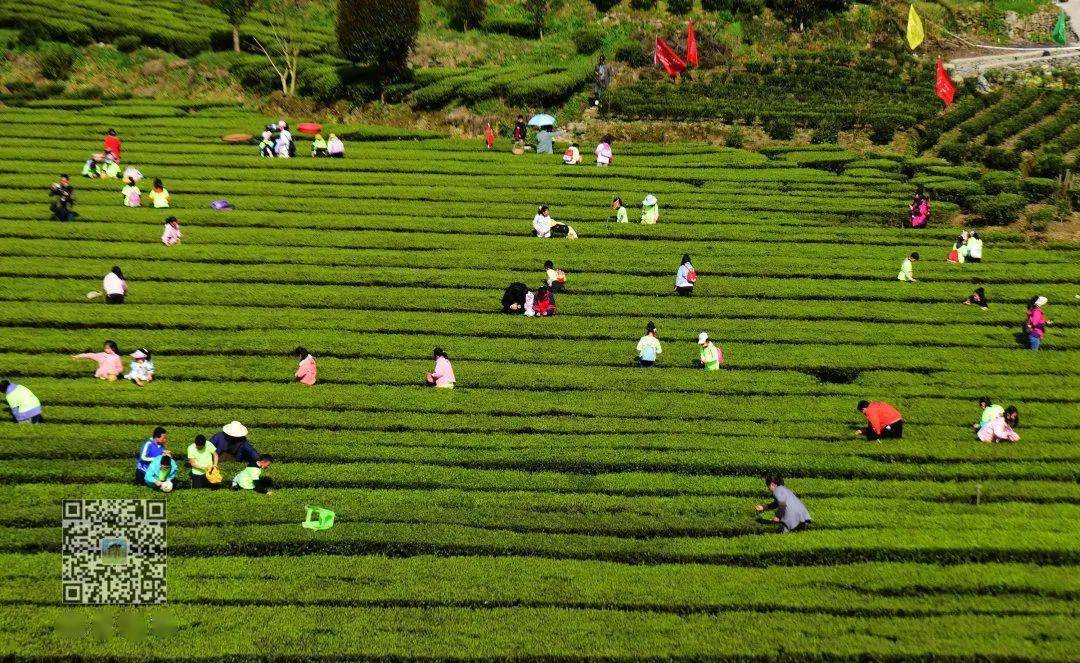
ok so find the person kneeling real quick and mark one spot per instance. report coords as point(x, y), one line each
point(160, 473)
point(251, 478)
point(791, 513)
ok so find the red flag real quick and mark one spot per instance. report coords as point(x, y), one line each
point(943, 85)
point(669, 59)
point(691, 46)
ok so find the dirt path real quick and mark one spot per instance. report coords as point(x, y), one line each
point(1022, 59)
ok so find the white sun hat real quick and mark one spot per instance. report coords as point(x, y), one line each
point(166, 486)
point(649, 201)
point(702, 337)
point(139, 354)
point(234, 429)
point(1041, 301)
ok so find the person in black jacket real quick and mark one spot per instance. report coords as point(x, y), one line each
point(65, 199)
point(513, 299)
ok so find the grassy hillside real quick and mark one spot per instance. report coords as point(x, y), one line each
point(560, 503)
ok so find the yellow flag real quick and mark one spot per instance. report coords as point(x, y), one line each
point(915, 34)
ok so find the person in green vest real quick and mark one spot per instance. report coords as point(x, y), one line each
point(620, 210)
point(650, 210)
point(989, 412)
point(251, 478)
point(25, 406)
point(318, 147)
point(710, 356)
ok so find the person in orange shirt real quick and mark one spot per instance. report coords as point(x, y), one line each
point(885, 420)
point(489, 136)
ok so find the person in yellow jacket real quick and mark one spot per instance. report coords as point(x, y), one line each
point(25, 406)
point(650, 210)
point(710, 356)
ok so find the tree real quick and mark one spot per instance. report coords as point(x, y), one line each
point(538, 11)
point(465, 14)
point(803, 12)
point(286, 22)
point(235, 11)
point(378, 31)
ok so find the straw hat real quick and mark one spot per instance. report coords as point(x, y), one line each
point(702, 338)
point(234, 429)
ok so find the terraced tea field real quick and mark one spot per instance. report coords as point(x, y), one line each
point(560, 503)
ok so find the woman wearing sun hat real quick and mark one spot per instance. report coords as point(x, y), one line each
point(232, 440)
point(1035, 323)
point(711, 357)
point(650, 211)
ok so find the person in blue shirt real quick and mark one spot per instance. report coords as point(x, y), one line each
point(150, 450)
point(160, 473)
point(791, 513)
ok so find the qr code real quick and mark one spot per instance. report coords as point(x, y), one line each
point(114, 552)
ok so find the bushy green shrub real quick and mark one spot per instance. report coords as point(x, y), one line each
point(127, 43)
point(882, 130)
point(57, 60)
point(779, 128)
point(827, 131)
point(999, 181)
point(380, 31)
point(465, 14)
point(734, 137)
point(1000, 158)
point(1048, 164)
point(588, 39)
point(604, 6)
point(680, 7)
point(734, 7)
point(515, 27)
point(1041, 217)
point(1002, 209)
point(953, 152)
point(643, 4)
point(633, 53)
point(1038, 188)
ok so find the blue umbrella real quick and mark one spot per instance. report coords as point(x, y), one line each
point(542, 120)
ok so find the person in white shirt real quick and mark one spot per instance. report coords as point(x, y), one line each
point(648, 347)
point(542, 222)
point(686, 277)
point(142, 368)
point(115, 286)
point(283, 147)
point(572, 155)
point(975, 247)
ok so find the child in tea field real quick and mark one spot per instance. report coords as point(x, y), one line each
point(650, 210)
point(142, 369)
point(919, 211)
point(1035, 323)
point(710, 356)
point(555, 278)
point(620, 210)
point(603, 152)
point(648, 347)
point(543, 303)
point(108, 361)
point(443, 375)
point(974, 247)
point(131, 193)
point(907, 269)
point(542, 222)
point(572, 155)
point(251, 478)
point(489, 136)
point(884, 421)
point(335, 149)
point(160, 473)
point(513, 299)
point(685, 277)
point(989, 411)
point(307, 371)
point(171, 234)
point(979, 299)
point(159, 195)
point(791, 513)
point(318, 147)
point(24, 405)
point(266, 145)
point(111, 144)
point(1000, 427)
point(959, 251)
point(113, 286)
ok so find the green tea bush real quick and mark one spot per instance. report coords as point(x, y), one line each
point(588, 39)
point(1001, 209)
point(680, 7)
point(779, 128)
point(1048, 164)
point(734, 137)
point(127, 43)
point(465, 14)
point(57, 60)
point(1001, 182)
point(1038, 188)
point(643, 5)
point(1000, 158)
point(827, 131)
point(882, 130)
point(515, 27)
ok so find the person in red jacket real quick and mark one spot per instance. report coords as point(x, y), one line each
point(884, 419)
point(112, 144)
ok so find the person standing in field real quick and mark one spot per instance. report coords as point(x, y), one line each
point(919, 211)
point(685, 277)
point(203, 458)
point(884, 421)
point(1035, 323)
point(650, 210)
point(108, 360)
point(65, 199)
point(307, 371)
point(521, 130)
point(710, 356)
point(150, 449)
point(907, 268)
point(620, 210)
point(24, 405)
point(442, 376)
point(112, 144)
point(159, 195)
point(601, 79)
point(171, 234)
point(489, 136)
point(974, 247)
point(791, 513)
point(648, 347)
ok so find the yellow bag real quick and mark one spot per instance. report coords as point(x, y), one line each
point(213, 475)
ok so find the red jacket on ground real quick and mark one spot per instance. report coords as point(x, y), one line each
point(880, 415)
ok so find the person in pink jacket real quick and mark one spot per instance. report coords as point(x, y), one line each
point(171, 234)
point(307, 370)
point(443, 375)
point(109, 363)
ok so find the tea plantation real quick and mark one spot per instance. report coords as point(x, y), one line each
point(560, 503)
